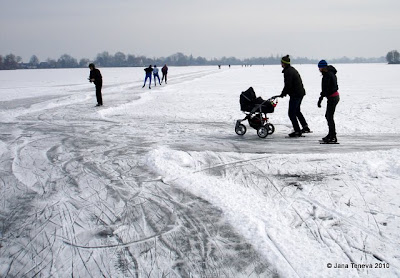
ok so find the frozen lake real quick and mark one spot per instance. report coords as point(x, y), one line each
point(157, 184)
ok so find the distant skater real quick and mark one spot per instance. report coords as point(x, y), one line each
point(295, 89)
point(155, 75)
point(164, 71)
point(329, 89)
point(97, 79)
point(148, 71)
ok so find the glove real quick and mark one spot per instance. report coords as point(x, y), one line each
point(282, 95)
point(319, 101)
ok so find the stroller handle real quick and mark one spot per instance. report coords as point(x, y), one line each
point(274, 97)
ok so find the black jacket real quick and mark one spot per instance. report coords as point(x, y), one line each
point(96, 75)
point(148, 70)
point(329, 82)
point(293, 84)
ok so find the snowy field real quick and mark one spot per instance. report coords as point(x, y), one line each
point(157, 184)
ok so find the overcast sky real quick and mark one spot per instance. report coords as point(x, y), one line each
point(208, 28)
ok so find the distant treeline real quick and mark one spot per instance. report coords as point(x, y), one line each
point(119, 59)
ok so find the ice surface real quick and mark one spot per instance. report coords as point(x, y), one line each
point(157, 184)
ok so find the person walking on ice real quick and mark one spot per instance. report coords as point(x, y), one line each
point(155, 75)
point(295, 89)
point(164, 72)
point(329, 89)
point(148, 71)
point(97, 79)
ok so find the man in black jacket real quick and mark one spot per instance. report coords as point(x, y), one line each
point(97, 79)
point(148, 71)
point(330, 89)
point(294, 88)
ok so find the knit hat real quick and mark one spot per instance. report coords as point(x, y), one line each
point(322, 64)
point(285, 60)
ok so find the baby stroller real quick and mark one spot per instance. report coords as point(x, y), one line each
point(256, 110)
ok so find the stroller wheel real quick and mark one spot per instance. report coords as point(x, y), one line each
point(262, 132)
point(271, 129)
point(240, 129)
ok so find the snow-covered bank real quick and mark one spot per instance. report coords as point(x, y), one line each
point(301, 212)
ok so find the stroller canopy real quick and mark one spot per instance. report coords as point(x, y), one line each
point(247, 99)
point(249, 102)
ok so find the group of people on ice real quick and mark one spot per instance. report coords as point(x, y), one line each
point(96, 78)
point(295, 89)
point(154, 71)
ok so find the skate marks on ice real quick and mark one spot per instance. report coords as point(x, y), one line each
point(78, 200)
point(220, 137)
point(25, 103)
point(340, 217)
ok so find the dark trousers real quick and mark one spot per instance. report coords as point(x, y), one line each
point(145, 79)
point(98, 93)
point(330, 112)
point(295, 113)
point(164, 76)
point(156, 76)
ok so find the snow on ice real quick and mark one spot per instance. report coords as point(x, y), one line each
point(157, 184)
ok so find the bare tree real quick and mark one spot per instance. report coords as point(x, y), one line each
point(10, 62)
point(66, 61)
point(104, 59)
point(83, 63)
point(34, 61)
point(393, 57)
point(119, 59)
